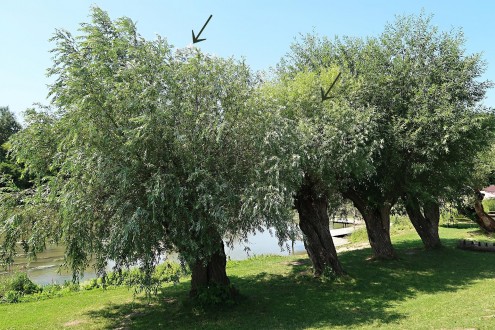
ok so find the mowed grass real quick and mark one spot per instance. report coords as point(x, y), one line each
point(444, 289)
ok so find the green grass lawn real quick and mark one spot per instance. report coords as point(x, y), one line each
point(444, 289)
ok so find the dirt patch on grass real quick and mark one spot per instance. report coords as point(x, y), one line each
point(170, 300)
point(352, 247)
point(74, 323)
point(297, 263)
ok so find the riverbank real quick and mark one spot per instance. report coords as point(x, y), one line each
point(423, 289)
point(45, 268)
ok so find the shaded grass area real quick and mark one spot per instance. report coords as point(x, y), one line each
point(447, 288)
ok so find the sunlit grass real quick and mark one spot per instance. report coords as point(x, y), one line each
point(447, 288)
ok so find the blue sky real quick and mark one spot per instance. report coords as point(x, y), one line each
point(259, 31)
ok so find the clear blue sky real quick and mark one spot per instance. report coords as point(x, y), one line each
point(258, 30)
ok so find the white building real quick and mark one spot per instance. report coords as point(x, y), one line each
point(489, 192)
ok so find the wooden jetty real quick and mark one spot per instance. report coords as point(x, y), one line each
point(341, 232)
point(347, 222)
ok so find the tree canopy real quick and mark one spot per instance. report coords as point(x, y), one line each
point(148, 151)
point(331, 140)
point(8, 127)
point(429, 120)
point(10, 173)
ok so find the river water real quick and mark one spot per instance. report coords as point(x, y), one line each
point(45, 269)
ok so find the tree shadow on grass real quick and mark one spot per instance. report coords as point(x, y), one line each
point(296, 300)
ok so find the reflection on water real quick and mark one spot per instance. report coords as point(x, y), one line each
point(261, 243)
point(45, 269)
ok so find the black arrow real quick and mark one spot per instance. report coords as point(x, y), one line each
point(324, 96)
point(196, 38)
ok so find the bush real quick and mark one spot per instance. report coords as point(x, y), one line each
point(216, 294)
point(21, 283)
point(14, 287)
point(11, 297)
point(19, 287)
point(169, 272)
point(91, 284)
point(51, 290)
point(489, 205)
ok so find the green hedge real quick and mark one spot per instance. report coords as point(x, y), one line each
point(489, 205)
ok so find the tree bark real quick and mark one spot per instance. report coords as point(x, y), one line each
point(425, 219)
point(476, 213)
point(315, 225)
point(486, 222)
point(210, 272)
point(377, 220)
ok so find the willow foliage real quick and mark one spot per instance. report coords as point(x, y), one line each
point(149, 151)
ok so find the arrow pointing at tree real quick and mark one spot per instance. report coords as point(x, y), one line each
point(196, 38)
point(324, 96)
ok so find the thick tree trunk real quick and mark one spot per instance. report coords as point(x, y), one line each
point(425, 220)
point(485, 221)
point(476, 213)
point(210, 272)
point(377, 220)
point(315, 225)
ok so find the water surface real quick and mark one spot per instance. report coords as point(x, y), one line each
point(46, 268)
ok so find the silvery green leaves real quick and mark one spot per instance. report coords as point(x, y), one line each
point(150, 150)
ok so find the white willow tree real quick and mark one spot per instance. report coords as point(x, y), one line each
point(151, 152)
point(331, 139)
point(427, 94)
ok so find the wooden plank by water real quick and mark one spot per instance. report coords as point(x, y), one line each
point(341, 231)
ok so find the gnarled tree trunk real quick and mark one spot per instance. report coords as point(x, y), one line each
point(476, 213)
point(377, 220)
point(425, 219)
point(485, 221)
point(210, 272)
point(315, 225)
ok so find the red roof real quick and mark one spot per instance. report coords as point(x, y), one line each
point(490, 189)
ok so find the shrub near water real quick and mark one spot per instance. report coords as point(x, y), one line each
point(19, 288)
point(14, 287)
point(164, 273)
